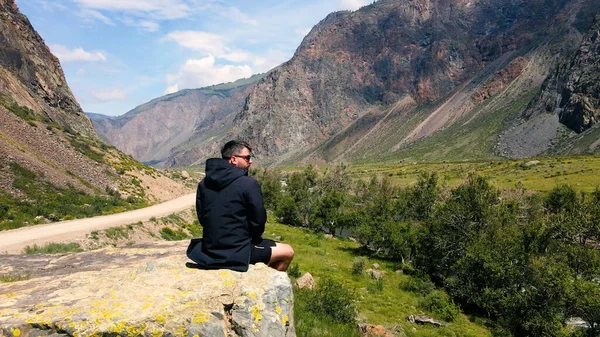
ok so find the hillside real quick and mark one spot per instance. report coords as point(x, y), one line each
point(157, 132)
point(52, 163)
point(425, 80)
point(440, 76)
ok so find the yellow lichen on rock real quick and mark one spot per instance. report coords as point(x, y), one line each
point(255, 309)
point(285, 319)
point(16, 332)
point(200, 317)
point(157, 333)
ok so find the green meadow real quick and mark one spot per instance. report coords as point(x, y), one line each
point(376, 302)
point(537, 174)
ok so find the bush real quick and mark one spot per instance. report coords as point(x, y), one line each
point(332, 300)
point(115, 233)
point(440, 305)
point(358, 266)
point(294, 270)
point(173, 235)
point(418, 285)
point(376, 286)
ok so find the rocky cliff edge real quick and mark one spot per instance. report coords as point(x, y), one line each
point(140, 291)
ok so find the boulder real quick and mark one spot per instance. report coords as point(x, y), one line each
point(306, 281)
point(371, 330)
point(422, 319)
point(144, 290)
point(185, 174)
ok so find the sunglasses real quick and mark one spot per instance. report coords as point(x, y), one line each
point(248, 157)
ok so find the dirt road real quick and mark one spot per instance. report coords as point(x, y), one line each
point(13, 241)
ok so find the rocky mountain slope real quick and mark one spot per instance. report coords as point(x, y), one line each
point(420, 65)
point(152, 132)
point(31, 76)
point(418, 80)
point(561, 118)
point(47, 143)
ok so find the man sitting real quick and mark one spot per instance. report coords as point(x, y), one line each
point(230, 208)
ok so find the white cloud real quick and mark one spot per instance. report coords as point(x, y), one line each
point(352, 4)
point(148, 26)
point(235, 14)
point(78, 54)
point(159, 9)
point(109, 95)
point(197, 73)
point(92, 15)
point(208, 44)
point(81, 72)
point(171, 89)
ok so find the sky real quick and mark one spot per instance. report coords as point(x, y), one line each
point(118, 54)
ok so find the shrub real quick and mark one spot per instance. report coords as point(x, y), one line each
point(418, 285)
point(331, 299)
point(294, 270)
point(440, 305)
point(115, 233)
point(376, 286)
point(358, 266)
point(173, 235)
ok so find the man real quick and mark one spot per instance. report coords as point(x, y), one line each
point(230, 208)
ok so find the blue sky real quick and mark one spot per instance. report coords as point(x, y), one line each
point(117, 54)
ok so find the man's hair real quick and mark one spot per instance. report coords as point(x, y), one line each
point(233, 147)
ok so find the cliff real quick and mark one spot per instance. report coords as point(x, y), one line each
point(143, 291)
point(32, 76)
point(383, 54)
point(572, 91)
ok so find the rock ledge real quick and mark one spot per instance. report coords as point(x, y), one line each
point(141, 291)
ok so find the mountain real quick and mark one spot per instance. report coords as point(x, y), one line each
point(159, 132)
point(31, 76)
point(51, 160)
point(407, 80)
point(382, 81)
point(562, 118)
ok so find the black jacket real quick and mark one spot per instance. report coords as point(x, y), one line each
point(230, 208)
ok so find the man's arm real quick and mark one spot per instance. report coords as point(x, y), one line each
point(257, 215)
point(199, 203)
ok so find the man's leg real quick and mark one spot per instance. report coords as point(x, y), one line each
point(281, 256)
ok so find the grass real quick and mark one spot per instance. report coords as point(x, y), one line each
point(116, 233)
point(13, 278)
point(52, 202)
point(580, 172)
point(53, 248)
point(384, 304)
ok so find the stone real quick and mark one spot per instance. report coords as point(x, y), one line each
point(422, 319)
point(143, 290)
point(306, 282)
point(376, 266)
point(531, 163)
point(185, 174)
point(371, 330)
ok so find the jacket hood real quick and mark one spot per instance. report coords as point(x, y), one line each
point(219, 173)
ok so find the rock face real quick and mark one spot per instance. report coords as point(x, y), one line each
point(378, 55)
point(572, 91)
point(423, 79)
point(143, 291)
point(32, 76)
